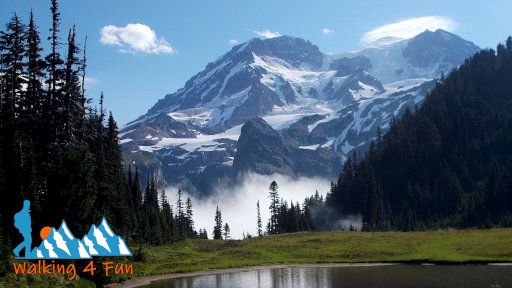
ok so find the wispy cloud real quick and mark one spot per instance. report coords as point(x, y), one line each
point(267, 33)
point(327, 31)
point(233, 42)
point(89, 81)
point(135, 38)
point(409, 28)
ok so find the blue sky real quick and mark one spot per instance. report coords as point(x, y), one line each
point(169, 41)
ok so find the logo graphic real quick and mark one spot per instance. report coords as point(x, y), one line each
point(61, 244)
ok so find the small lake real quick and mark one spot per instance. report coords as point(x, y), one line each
point(353, 276)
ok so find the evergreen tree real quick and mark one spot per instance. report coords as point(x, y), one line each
point(189, 221)
point(74, 109)
point(217, 229)
point(34, 97)
point(137, 193)
point(13, 47)
point(167, 219)
point(12, 51)
point(203, 234)
point(180, 216)
point(226, 231)
point(153, 231)
point(55, 76)
point(282, 216)
point(73, 191)
point(306, 218)
point(30, 121)
point(260, 230)
point(274, 208)
point(83, 68)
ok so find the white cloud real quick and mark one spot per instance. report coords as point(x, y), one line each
point(233, 42)
point(409, 28)
point(135, 38)
point(327, 31)
point(238, 203)
point(267, 33)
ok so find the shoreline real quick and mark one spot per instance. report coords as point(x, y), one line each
point(146, 280)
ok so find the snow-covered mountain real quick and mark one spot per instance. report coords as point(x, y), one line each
point(100, 241)
point(313, 108)
point(427, 55)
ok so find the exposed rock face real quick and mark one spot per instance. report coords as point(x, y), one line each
point(263, 150)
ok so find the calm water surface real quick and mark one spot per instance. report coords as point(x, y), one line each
point(375, 276)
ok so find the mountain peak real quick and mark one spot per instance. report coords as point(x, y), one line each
point(294, 50)
point(439, 34)
point(439, 48)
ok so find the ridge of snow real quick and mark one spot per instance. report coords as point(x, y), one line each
point(310, 147)
point(197, 116)
point(192, 144)
point(121, 135)
point(126, 140)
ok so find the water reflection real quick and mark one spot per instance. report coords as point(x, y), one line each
point(376, 276)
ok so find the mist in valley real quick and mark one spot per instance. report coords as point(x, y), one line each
point(238, 203)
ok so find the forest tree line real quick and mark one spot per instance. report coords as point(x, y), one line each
point(56, 150)
point(61, 153)
point(447, 164)
point(284, 218)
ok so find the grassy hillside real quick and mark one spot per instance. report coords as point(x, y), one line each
point(464, 246)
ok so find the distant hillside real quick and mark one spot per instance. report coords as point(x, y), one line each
point(447, 164)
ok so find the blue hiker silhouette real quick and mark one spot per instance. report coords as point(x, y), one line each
point(23, 223)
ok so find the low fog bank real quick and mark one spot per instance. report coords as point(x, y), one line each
point(349, 222)
point(238, 203)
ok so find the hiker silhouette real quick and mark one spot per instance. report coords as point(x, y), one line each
point(23, 223)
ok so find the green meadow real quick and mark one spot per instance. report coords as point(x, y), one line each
point(441, 247)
